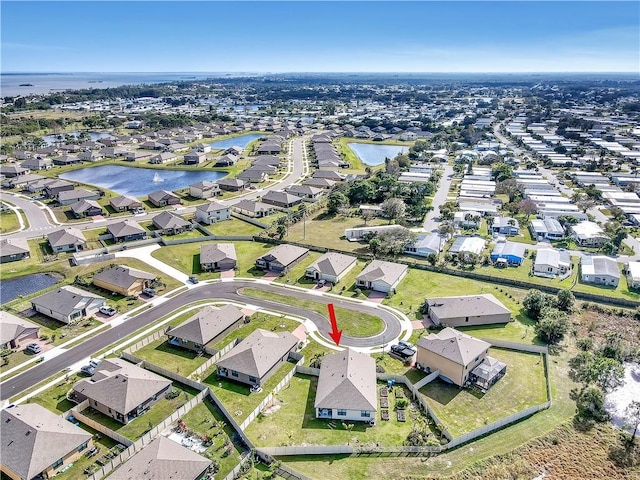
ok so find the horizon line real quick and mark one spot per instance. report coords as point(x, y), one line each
point(15, 72)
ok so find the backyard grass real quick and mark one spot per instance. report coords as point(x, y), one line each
point(352, 323)
point(522, 273)
point(462, 411)
point(397, 367)
point(327, 231)
point(236, 397)
point(233, 227)
point(207, 419)
point(293, 421)
point(186, 258)
point(258, 320)
point(9, 221)
point(154, 416)
point(163, 354)
point(55, 398)
point(295, 276)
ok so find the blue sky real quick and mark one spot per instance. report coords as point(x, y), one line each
point(320, 36)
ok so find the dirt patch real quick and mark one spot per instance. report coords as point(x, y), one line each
point(273, 407)
point(597, 325)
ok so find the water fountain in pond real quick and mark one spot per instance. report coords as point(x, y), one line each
point(157, 178)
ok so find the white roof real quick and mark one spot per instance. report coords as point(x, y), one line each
point(600, 265)
point(551, 256)
point(633, 270)
point(587, 229)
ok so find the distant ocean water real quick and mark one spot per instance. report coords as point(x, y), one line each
point(43, 83)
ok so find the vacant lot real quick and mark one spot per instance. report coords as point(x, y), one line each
point(178, 359)
point(291, 420)
point(258, 320)
point(233, 227)
point(462, 411)
point(9, 221)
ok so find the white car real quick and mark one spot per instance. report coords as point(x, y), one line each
point(108, 311)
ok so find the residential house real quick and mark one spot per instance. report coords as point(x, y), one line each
point(37, 443)
point(331, 267)
point(465, 310)
point(194, 158)
point(54, 188)
point(13, 249)
point(86, 208)
point(464, 246)
point(16, 331)
point(226, 160)
point(425, 245)
point(69, 197)
point(124, 280)
point(67, 304)
point(467, 219)
point(251, 175)
point(588, 234)
point(68, 239)
point(254, 209)
point(209, 325)
point(347, 387)
point(281, 199)
point(358, 233)
point(257, 357)
point(281, 258)
point(454, 354)
point(138, 155)
point(550, 262)
point(163, 459)
point(212, 212)
point(324, 183)
point(121, 390)
point(126, 231)
point(37, 163)
point(169, 223)
point(162, 198)
point(125, 202)
point(202, 147)
point(204, 189)
point(547, 229)
point(232, 184)
point(508, 253)
point(90, 156)
point(67, 160)
point(306, 192)
point(234, 150)
point(505, 226)
point(218, 256)
point(600, 270)
point(381, 276)
point(163, 157)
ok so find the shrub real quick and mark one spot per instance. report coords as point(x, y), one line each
point(402, 403)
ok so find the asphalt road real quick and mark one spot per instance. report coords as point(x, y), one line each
point(222, 291)
point(432, 220)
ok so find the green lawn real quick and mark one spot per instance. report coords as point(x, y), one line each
point(258, 320)
point(522, 273)
point(195, 233)
point(294, 422)
point(207, 419)
point(156, 414)
point(352, 323)
point(76, 472)
point(462, 411)
point(326, 231)
point(9, 221)
point(236, 397)
point(295, 276)
point(186, 258)
point(233, 227)
point(168, 356)
point(55, 398)
point(394, 366)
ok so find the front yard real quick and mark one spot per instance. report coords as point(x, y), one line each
point(291, 420)
point(462, 411)
point(165, 355)
point(258, 320)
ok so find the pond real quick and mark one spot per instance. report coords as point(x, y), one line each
point(242, 141)
point(139, 181)
point(25, 285)
point(372, 154)
point(618, 400)
point(94, 136)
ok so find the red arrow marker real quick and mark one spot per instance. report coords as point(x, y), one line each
point(335, 333)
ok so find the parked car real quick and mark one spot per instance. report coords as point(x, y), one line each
point(33, 348)
point(108, 311)
point(408, 345)
point(90, 368)
point(193, 280)
point(322, 283)
point(149, 292)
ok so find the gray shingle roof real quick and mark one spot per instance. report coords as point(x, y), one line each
point(66, 236)
point(66, 299)
point(454, 345)
point(123, 276)
point(126, 227)
point(207, 324)
point(12, 246)
point(169, 220)
point(347, 381)
point(477, 305)
point(124, 201)
point(12, 326)
point(33, 438)
point(378, 270)
point(332, 263)
point(217, 252)
point(79, 194)
point(285, 254)
point(121, 385)
point(252, 206)
point(212, 207)
point(162, 459)
point(259, 352)
point(161, 195)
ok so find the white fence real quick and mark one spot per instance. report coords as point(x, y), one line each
point(307, 370)
point(206, 365)
point(308, 450)
point(516, 346)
